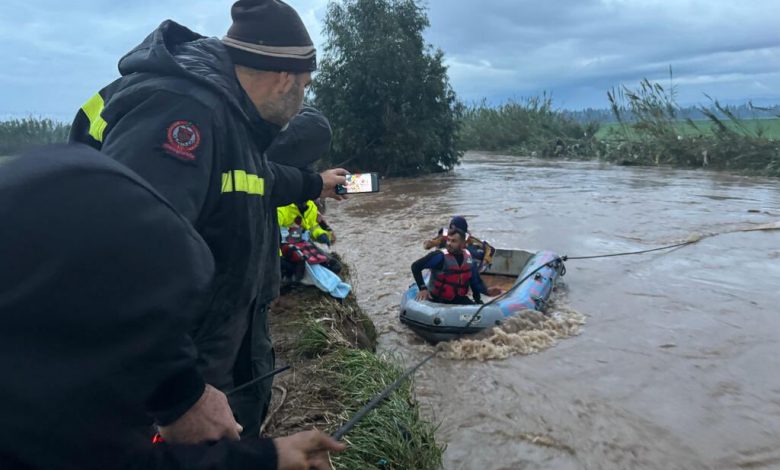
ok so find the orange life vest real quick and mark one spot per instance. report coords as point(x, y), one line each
point(454, 279)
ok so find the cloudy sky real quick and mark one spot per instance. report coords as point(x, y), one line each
point(55, 54)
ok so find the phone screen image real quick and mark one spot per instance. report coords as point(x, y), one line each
point(360, 183)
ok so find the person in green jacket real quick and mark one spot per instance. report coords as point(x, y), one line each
point(307, 216)
point(295, 221)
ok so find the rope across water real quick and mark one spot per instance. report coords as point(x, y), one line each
point(560, 259)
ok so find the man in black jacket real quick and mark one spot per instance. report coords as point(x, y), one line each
point(193, 116)
point(100, 282)
point(304, 140)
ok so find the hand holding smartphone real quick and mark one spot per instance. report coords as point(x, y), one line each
point(359, 183)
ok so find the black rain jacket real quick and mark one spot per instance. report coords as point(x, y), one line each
point(101, 280)
point(179, 118)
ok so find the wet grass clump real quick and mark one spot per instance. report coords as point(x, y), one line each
point(393, 435)
point(314, 339)
point(329, 324)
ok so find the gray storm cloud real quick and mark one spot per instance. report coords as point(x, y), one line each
point(56, 54)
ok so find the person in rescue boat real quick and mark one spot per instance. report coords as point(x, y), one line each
point(453, 273)
point(440, 240)
point(102, 280)
point(480, 250)
point(194, 116)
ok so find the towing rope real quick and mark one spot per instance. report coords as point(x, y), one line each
point(560, 259)
point(627, 253)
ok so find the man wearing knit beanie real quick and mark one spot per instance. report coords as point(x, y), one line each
point(273, 54)
point(269, 35)
point(193, 116)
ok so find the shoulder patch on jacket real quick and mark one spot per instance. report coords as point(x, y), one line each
point(183, 137)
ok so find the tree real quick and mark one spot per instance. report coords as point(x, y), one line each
point(385, 91)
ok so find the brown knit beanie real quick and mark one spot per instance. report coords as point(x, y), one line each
point(269, 35)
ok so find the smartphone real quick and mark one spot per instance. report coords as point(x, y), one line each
point(359, 183)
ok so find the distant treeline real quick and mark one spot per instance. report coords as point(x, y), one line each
point(18, 134)
point(694, 113)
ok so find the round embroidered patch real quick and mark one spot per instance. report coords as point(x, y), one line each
point(184, 135)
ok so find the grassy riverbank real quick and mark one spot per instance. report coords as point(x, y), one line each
point(335, 371)
point(649, 131)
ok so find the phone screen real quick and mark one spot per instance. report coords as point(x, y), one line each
point(360, 183)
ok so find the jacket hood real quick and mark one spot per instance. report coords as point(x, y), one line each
point(174, 50)
point(305, 140)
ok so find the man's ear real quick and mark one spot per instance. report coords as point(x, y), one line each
point(286, 82)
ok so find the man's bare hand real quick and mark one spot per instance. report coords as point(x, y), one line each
point(306, 450)
point(209, 419)
point(330, 178)
point(423, 295)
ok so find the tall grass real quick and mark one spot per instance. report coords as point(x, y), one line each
point(654, 135)
point(314, 339)
point(529, 127)
point(16, 135)
point(392, 436)
point(650, 128)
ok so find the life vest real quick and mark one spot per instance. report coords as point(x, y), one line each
point(296, 249)
point(305, 216)
point(454, 279)
point(303, 251)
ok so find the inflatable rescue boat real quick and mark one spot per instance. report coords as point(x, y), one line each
point(442, 322)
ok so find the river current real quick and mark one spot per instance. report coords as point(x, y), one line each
point(667, 360)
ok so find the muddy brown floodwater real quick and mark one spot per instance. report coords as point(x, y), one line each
point(677, 365)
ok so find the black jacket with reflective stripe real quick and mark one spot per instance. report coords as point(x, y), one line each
point(179, 118)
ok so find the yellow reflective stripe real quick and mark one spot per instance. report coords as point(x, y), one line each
point(240, 181)
point(97, 124)
point(227, 182)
